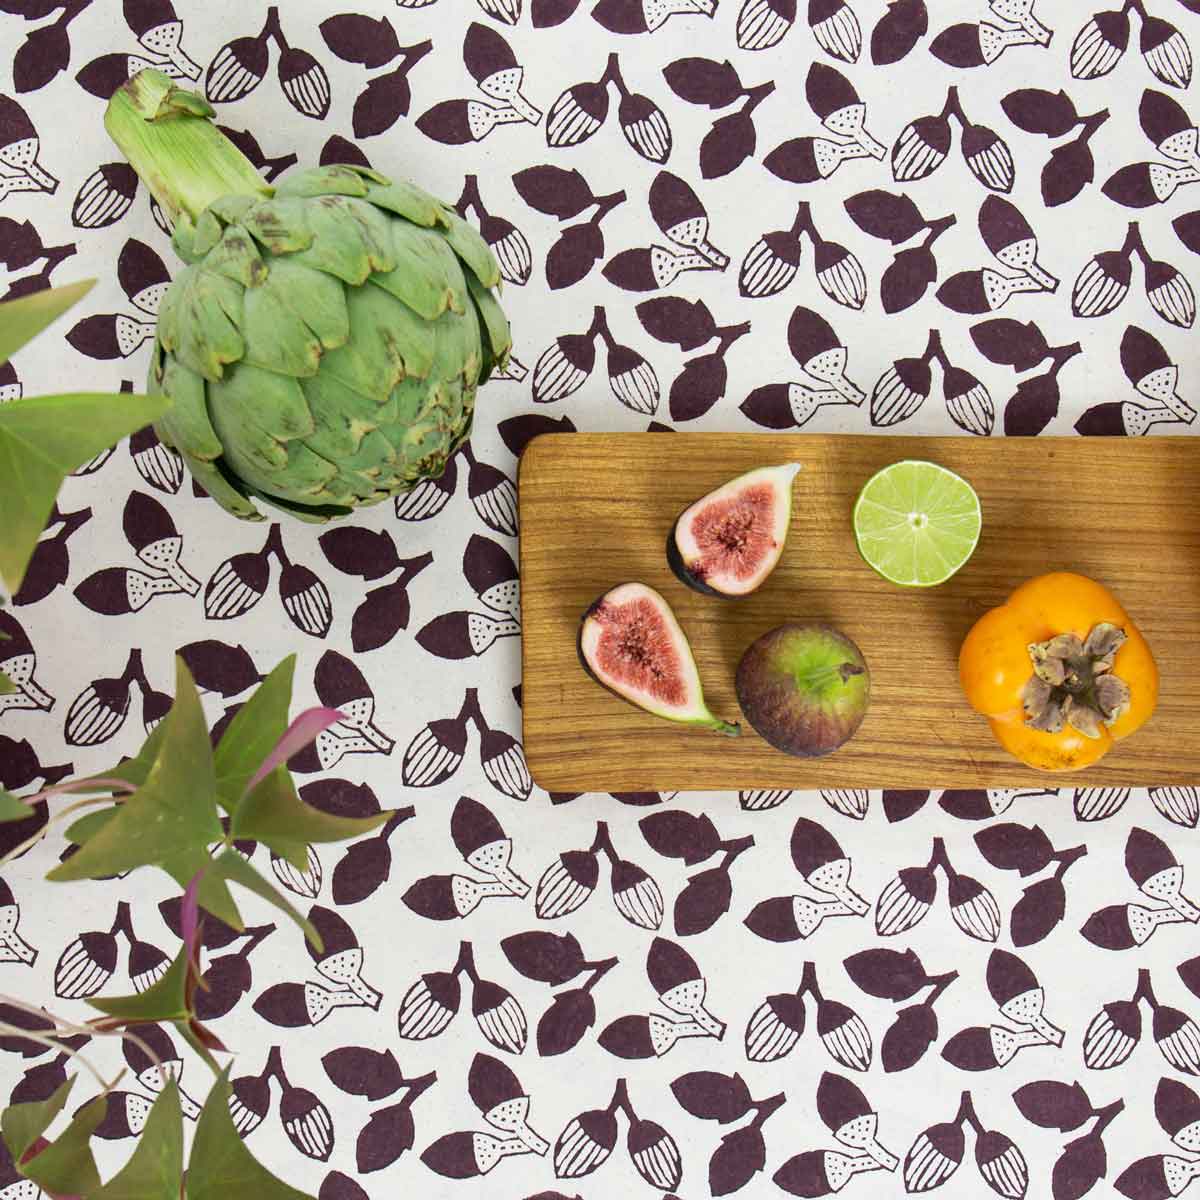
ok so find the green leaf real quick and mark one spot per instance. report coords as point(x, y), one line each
point(23, 319)
point(273, 813)
point(23, 1124)
point(255, 729)
point(7, 687)
point(185, 1031)
point(66, 1166)
point(165, 1000)
point(13, 808)
point(233, 866)
point(214, 896)
point(90, 824)
point(42, 440)
point(133, 771)
point(173, 812)
point(155, 1168)
point(220, 1166)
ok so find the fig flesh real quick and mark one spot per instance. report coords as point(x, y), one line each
point(804, 688)
point(728, 542)
point(630, 641)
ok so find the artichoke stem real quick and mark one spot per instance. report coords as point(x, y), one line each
point(169, 139)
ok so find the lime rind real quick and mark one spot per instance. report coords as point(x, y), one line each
point(917, 523)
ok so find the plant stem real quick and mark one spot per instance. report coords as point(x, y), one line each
point(620, 1100)
point(602, 841)
point(273, 546)
point(122, 922)
point(966, 1112)
point(612, 74)
point(470, 710)
point(168, 137)
point(72, 521)
point(934, 351)
point(728, 334)
point(940, 984)
point(272, 29)
point(605, 205)
point(1133, 242)
point(599, 326)
point(469, 199)
point(422, 1083)
point(413, 55)
point(410, 568)
point(257, 935)
point(937, 228)
point(465, 963)
point(1061, 355)
point(808, 982)
point(953, 108)
point(938, 857)
point(133, 670)
point(406, 813)
point(733, 849)
point(764, 1108)
point(756, 95)
point(1089, 124)
point(468, 453)
point(1144, 989)
point(599, 969)
point(804, 223)
point(1065, 858)
point(1107, 1115)
point(274, 1067)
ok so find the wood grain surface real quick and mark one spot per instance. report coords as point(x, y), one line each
point(595, 511)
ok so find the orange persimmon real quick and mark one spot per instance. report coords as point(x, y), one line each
point(1061, 672)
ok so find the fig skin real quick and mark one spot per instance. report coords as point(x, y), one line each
point(680, 571)
point(806, 719)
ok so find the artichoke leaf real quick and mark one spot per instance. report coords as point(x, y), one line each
point(281, 225)
point(351, 238)
point(276, 339)
point(333, 180)
point(256, 414)
point(471, 248)
point(198, 321)
point(428, 276)
point(230, 210)
point(316, 299)
point(408, 201)
point(236, 257)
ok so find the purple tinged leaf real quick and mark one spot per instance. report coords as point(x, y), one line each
point(300, 733)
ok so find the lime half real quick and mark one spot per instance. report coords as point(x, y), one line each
point(916, 523)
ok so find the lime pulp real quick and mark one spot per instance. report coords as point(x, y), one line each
point(916, 523)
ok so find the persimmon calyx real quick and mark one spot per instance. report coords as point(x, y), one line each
point(1073, 682)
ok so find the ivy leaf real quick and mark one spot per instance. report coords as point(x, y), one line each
point(274, 814)
point(165, 1000)
point(255, 729)
point(232, 866)
point(174, 813)
point(23, 1124)
point(12, 808)
point(220, 1166)
point(66, 1167)
point(155, 1168)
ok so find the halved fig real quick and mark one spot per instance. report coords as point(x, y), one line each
point(630, 641)
point(729, 541)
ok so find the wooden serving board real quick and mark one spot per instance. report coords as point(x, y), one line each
point(595, 511)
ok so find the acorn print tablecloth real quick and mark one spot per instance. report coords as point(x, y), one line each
point(988, 206)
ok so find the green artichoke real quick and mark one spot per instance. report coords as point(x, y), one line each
point(323, 347)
